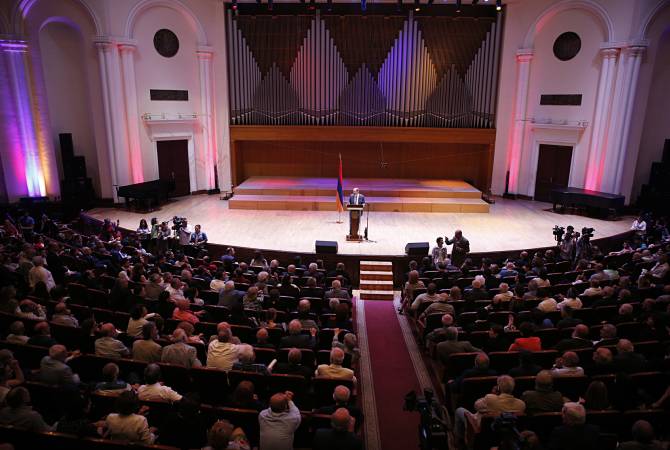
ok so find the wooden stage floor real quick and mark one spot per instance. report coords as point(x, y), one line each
point(510, 224)
point(382, 195)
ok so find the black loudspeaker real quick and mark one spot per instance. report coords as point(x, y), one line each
point(326, 247)
point(66, 146)
point(75, 167)
point(416, 248)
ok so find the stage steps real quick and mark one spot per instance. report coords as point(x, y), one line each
point(382, 195)
point(376, 280)
point(376, 204)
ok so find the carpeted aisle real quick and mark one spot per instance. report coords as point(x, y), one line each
point(393, 376)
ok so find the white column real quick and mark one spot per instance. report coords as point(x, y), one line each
point(515, 152)
point(601, 120)
point(104, 47)
point(634, 59)
point(205, 55)
point(16, 54)
point(127, 51)
point(223, 168)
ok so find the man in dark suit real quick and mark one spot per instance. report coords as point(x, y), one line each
point(626, 360)
point(453, 345)
point(340, 436)
point(55, 371)
point(341, 396)
point(574, 434)
point(579, 339)
point(481, 369)
point(296, 339)
point(460, 249)
point(356, 198)
point(294, 365)
point(229, 296)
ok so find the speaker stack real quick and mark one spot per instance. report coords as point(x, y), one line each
point(75, 187)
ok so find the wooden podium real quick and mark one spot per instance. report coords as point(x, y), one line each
point(355, 214)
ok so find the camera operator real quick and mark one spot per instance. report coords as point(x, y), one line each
point(566, 247)
point(198, 241)
point(583, 249)
point(182, 231)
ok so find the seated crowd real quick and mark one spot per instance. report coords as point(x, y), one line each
point(539, 340)
point(123, 336)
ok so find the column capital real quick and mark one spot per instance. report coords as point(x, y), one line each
point(104, 42)
point(13, 45)
point(127, 47)
point(204, 52)
point(524, 54)
point(609, 52)
point(636, 51)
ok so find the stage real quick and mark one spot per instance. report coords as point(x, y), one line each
point(510, 224)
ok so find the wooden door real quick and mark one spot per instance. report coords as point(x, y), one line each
point(553, 170)
point(173, 165)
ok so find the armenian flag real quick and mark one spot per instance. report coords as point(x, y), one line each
point(340, 194)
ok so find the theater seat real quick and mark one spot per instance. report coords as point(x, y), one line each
point(212, 384)
point(457, 363)
point(475, 388)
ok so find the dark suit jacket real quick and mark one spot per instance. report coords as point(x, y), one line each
point(446, 348)
point(297, 341)
point(361, 199)
point(630, 362)
point(573, 344)
point(581, 437)
point(329, 439)
point(354, 411)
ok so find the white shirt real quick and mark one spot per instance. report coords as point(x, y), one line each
point(133, 428)
point(157, 393)
point(639, 226)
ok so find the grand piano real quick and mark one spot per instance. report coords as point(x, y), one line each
point(585, 198)
point(149, 194)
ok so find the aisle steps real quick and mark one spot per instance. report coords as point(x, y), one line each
point(376, 280)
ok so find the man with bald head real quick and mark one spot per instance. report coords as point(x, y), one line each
point(602, 362)
point(544, 398)
point(643, 438)
point(337, 292)
point(296, 339)
point(341, 397)
point(579, 339)
point(279, 422)
point(42, 336)
point(575, 433)
point(481, 368)
point(221, 352)
point(108, 346)
point(179, 352)
point(440, 334)
point(55, 371)
point(335, 369)
point(340, 436)
point(294, 365)
point(626, 360)
point(229, 296)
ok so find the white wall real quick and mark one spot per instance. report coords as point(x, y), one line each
point(67, 87)
point(153, 71)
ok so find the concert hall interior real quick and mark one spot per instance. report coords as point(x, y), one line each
point(334, 224)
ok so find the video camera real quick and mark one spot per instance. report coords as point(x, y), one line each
point(558, 233)
point(178, 223)
point(588, 232)
point(433, 426)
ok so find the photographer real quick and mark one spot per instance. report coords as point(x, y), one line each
point(566, 247)
point(583, 249)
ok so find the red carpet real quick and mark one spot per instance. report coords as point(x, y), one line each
point(393, 376)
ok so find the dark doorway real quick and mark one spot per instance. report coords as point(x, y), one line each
point(553, 170)
point(173, 164)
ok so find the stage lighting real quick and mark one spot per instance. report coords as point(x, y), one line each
point(234, 5)
point(498, 5)
point(417, 5)
point(458, 6)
